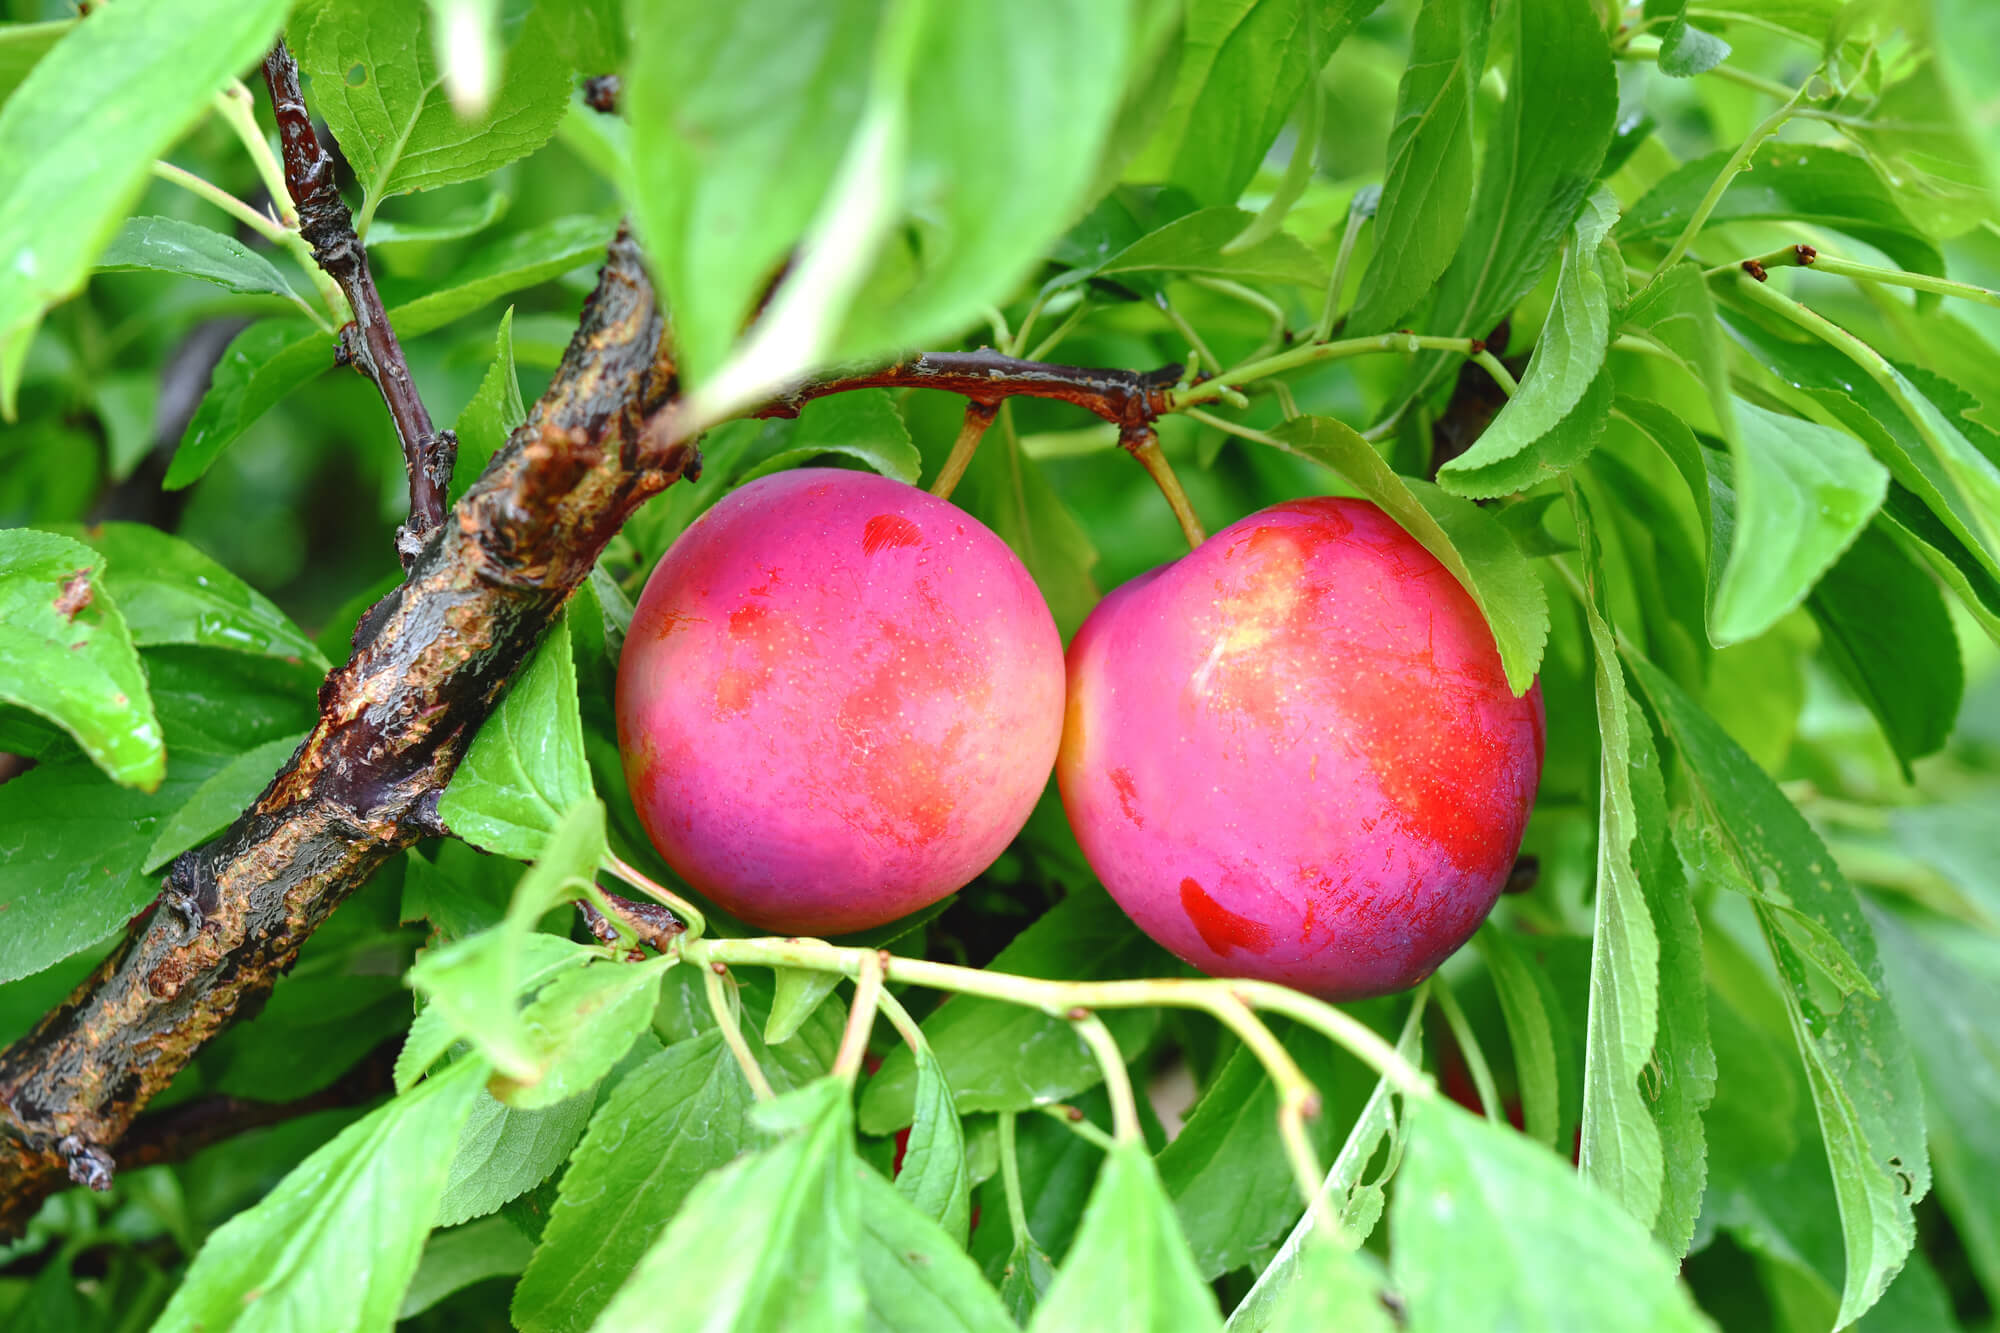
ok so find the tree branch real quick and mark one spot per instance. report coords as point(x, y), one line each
point(1128, 399)
point(429, 664)
point(369, 342)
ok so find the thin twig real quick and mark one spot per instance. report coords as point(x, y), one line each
point(719, 984)
point(978, 416)
point(369, 343)
point(1117, 1079)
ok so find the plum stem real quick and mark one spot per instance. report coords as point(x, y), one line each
point(860, 1019)
point(1144, 445)
point(1117, 1079)
point(1475, 1057)
point(719, 984)
point(1010, 1182)
point(1072, 1119)
point(978, 416)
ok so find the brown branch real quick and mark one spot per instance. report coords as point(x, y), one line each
point(369, 342)
point(1128, 399)
point(429, 663)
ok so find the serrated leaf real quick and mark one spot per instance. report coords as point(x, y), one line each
point(1488, 1230)
point(1686, 51)
point(864, 425)
point(1569, 354)
point(80, 134)
point(334, 1245)
point(214, 805)
point(777, 1233)
point(580, 1025)
point(173, 593)
point(933, 1176)
point(1129, 1257)
point(377, 80)
point(1427, 189)
point(1884, 624)
point(919, 1279)
point(526, 768)
point(1536, 169)
point(495, 410)
point(169, 245)
point(1803, 493)
point(1530, 1033)
point(1003, 1057)
point(67, 654)
point(1858, 1061)
point(272, 358)
point(665, 1126)
point(1620, 1146)
point(1465, 539)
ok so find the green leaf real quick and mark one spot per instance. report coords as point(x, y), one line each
point(1003, 1057)
point(1884, 624)
point(1686, 51)
point(1129, 1266)
point(334, 1245)
point(1958, 1054)
point(526, 768)
point(1525, 1004)
point(934, 1176)
point(67, 654)
point(777, 1232)
point(377, 81)
point(168, 245)
point(580, 1025)
point(175, 594)
point(1196, 245)
point(1029, 1275)
point(1244, 64)
point(1335, 1288)
point(22, 46)
point(1427, 189)
point(1857, 1059)
point(919, 1279)
point(1677, 315)
point(493, 413)
point(797, 993)
point(1227, 1171)
point(864, 425)
point(740, 117)
point(454, 1260)
point(1569, 356)
point(1537, 167)
point(1465, 539)
point(415, 240)
point(272, 358)
point(1785, 182)
point(473, 984)
point(1620, 1148)
point(666, 1126)
point(215, 804)
point(1488, 1230)
point(1803, 493)
point(80, 135)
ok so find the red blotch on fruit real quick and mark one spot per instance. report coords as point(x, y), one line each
point(884, 531)
point(1121, 782)
point(1221, 929)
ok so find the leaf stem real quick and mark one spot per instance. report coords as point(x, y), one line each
point(1010, 1181)
point(1073, 1119)
point(1117, 1080)
point(1293, 358)
point(1763, 130)
point(1057, 998)
point(1186, 330)
point(978, 416)
point(1298, 175)
point(860, 1020)
point(1359, 209)
point(715, 979)
point(1501, 376)
point(1648, 49)
point(1257, 300)
point(1062, 330)
point(239, 111)
point(1144, 445)
point(222, 199)
point(1468, 1046)
point(1895, 277)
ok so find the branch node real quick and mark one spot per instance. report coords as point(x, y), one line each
point(1755, 270)
point(89, 1165)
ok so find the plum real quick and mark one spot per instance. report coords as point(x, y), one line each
point(839, 701)
point(1292, 754)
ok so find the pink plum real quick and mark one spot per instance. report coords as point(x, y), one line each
point(839, 701)
point(1292, 754)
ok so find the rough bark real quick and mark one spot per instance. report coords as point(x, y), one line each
point(429, 664)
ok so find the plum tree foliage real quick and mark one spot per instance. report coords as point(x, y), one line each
point(344, 988)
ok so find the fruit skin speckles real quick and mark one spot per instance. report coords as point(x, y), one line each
point(1292, 754)
point(839, 701)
